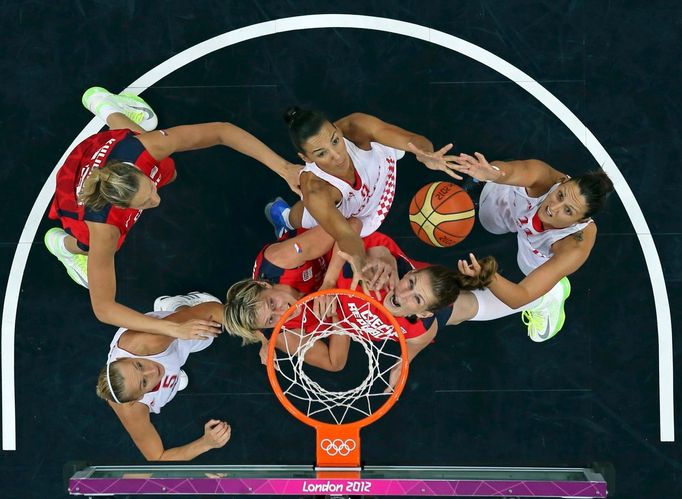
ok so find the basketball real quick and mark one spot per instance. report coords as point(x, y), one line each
point(441, 214)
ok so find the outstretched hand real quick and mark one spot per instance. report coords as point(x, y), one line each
point(436, 160)
point(324, 306)
point(472, 269)
point(373, 274)
point(197, 329)
point(216, 433)
point(358, 266)
point(385, 276)
point(292, 173)
point(477, 167)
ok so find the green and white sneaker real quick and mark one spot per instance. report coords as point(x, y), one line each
point(76, 265)
point(547, 319)
point(172, 303)
point(131, 105)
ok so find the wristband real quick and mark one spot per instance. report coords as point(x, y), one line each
point(477, 181)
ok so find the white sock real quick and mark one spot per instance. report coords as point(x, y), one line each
point(62, 247)
point(285, 216)
point(490, 307)
point(103, 109)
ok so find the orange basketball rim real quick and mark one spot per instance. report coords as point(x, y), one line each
point(338, 445)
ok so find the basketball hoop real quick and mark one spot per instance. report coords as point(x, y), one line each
point(337, 415)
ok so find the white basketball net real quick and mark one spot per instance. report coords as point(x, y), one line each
point(360, 324)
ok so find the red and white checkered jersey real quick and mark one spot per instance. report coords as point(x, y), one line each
point(371, 195)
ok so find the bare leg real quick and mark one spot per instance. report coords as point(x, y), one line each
point(296, 215)
point(72, 247)
point(119, 121)
point(294, 252)
point(313, 243)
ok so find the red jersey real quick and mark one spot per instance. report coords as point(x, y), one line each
point(306, 278)
point(94, 152)
point(369, 320)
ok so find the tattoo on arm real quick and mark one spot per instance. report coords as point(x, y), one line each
point(578, 236)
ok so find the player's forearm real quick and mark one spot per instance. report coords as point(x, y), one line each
point(509, 173)
point(336, 262)
point(242, 141)
point(333, 269)
point(524, 173)
point(115, 314)
point(343, 232)
point(351, 243)
point(185, 452)
point(338, 351)
point(511, 294)
point(420, 142)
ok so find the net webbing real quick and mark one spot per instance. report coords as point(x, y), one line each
point(376, 336)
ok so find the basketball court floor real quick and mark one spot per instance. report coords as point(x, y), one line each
point(579, 84)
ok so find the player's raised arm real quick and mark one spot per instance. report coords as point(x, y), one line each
point(102, 282)
point(319, 200)
point(533, 174)
point(363, 128)
point(163, 143)
point(135, 419)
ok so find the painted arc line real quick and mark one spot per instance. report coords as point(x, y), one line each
point(666, 407)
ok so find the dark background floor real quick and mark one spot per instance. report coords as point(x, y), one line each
point(484, 394)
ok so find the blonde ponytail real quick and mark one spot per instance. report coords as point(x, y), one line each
point(116, 183)
point(111, 379)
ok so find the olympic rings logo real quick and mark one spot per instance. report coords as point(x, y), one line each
point(338, 446)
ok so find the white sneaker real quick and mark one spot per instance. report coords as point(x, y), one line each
point(76, 265)
point(547, 319)
point(172, 303)
point(183, 380)
point(131, 105)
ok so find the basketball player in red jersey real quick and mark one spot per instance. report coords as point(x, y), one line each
point(299, 263)
point(110, 178)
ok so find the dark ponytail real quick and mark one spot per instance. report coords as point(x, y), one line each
point(595, 188)
point(446, 283)
point(303, 124)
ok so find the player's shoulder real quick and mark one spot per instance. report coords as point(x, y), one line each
point(311, 184)
point(579, 241)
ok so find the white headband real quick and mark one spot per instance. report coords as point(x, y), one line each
point(109, 383)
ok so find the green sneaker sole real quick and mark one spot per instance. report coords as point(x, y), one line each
point(566, 285)
point(91, 91)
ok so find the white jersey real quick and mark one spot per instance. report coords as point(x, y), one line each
point(507, 208)
point(371, 196)
point(172, 359)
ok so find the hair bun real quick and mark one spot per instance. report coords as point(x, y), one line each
point(290, 114)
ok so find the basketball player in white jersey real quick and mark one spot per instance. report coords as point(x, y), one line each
point(350, 171)
point(143, 374)
point(550, 213)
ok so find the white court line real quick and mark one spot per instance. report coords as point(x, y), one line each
point(665, 351)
